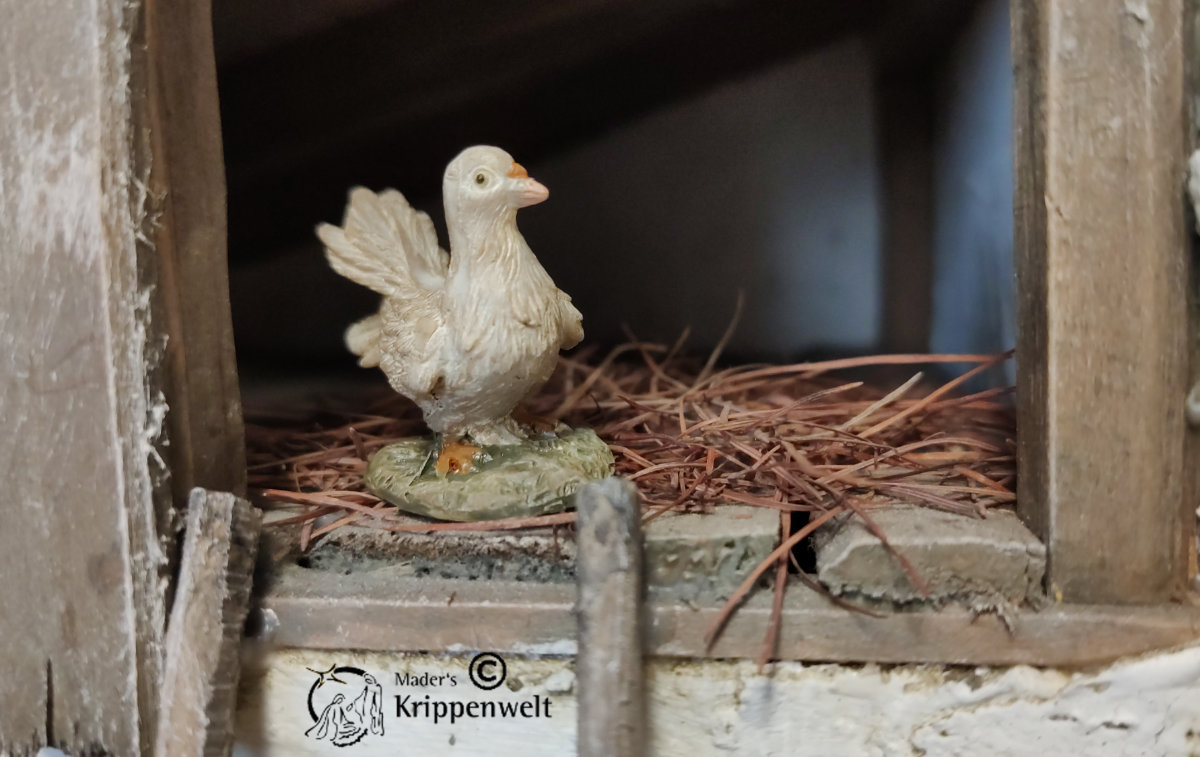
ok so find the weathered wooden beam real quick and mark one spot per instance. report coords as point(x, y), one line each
point(111, 247)
point(1192, 445)
point(191, 276)
point(81, 629)
point(1102, 294)
point(306, 609)
point(203, 639)
point(610, 588)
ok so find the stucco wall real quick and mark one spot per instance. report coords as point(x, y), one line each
point(1140, 707)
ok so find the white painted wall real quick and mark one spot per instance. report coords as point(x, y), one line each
point(1141, 708)
point(768, 184)
point(975, 280)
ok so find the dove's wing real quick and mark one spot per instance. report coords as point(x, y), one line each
point(363, 340)
point(385, 245)
point(570, 321)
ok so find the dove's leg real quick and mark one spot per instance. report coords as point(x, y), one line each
point(497, 432)
point(457, 454)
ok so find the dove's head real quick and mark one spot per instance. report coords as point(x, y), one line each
point(484, 180)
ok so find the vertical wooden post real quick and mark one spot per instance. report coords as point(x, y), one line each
point(83, 566)
point(191, 274)
point(1103, 305)
point(1192, 448)
point(111, 247)
point(609, 664)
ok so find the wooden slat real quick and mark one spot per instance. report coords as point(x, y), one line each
point(81, 628)
point(1101, 258)
point(109, 155)
point(187, 201)
point(1192, 445)
point(204, 636)
point(307, 609)
point(609, 577)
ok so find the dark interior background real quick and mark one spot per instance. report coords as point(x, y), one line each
point(845, 164)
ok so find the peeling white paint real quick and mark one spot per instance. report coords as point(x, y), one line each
point(52, 180)
point(555, 648)
point(1144, 706)
point(73, 187)
point(558, 647)
point(1193, 186)
point(1138, 11)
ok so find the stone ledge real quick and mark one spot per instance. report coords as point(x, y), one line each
point(695, 556)
point(989, 562)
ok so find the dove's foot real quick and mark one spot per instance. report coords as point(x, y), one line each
point(456, 456)
point(535, 477)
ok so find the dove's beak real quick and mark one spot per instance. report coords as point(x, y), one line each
point(529, 191)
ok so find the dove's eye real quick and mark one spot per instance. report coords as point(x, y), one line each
point(481, 179)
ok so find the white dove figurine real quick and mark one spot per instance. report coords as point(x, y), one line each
point(466, 334)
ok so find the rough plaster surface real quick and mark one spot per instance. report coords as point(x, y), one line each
point(987, 560)
point(1144, 706)
point(706, 555)
point(695, 555)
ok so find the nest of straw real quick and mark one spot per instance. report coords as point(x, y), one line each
point(792, 438)
point(796, 439)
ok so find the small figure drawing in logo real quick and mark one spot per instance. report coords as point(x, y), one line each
point(350, 707)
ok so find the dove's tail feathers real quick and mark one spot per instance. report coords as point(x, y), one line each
point(363, 340)
point(385, 245)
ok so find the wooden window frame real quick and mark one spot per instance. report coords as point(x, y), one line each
point(1106, 331)
point(130, 144)
point(1106, 350)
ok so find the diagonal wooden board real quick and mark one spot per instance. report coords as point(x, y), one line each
point(204, 634)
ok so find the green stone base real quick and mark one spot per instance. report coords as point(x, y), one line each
point(535, 477)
